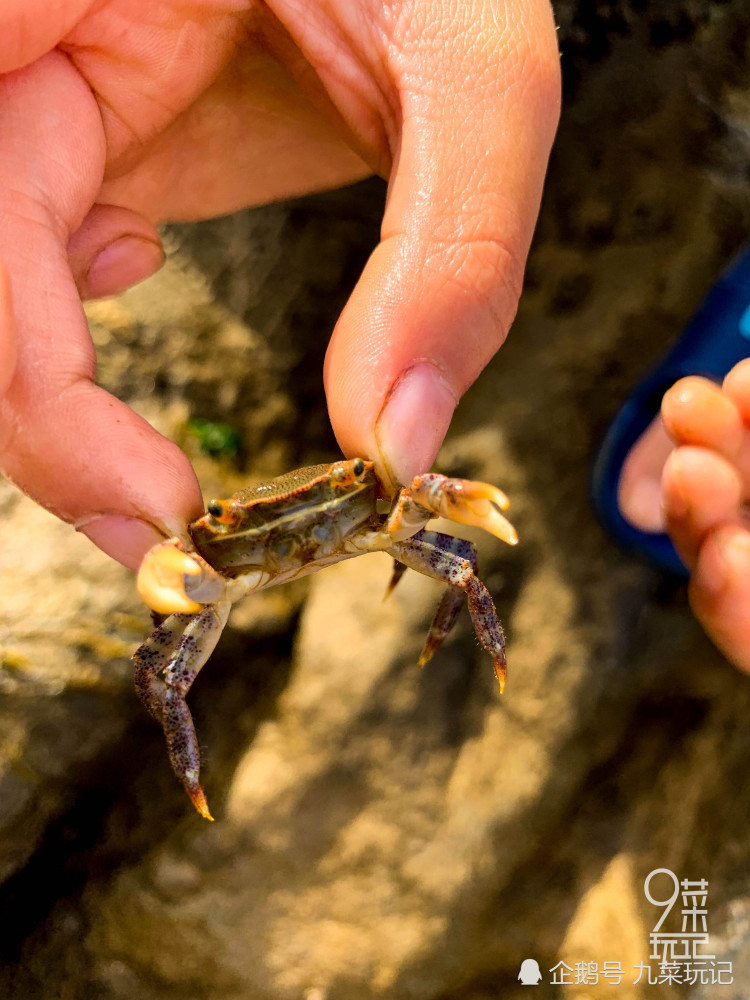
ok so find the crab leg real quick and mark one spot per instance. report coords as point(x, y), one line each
point(398, 571)
point(453, 561)
point(453, 598)
point(165, 667)
point(151, 658)
point(443, 622)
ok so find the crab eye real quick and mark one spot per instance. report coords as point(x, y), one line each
point(358, 466)
point(223, 512)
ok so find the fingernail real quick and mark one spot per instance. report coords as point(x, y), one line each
point(126, 539)
point(121, 265)
point(414, 421)
point(640, 504)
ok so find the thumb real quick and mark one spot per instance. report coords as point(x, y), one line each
point(479, 107)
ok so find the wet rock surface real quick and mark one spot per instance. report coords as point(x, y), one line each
point(384, 831)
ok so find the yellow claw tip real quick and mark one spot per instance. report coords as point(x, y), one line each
point(501, 672)
point(477, 490)
point(499, 499)
point(198, 798)
point(160, 579)
point(430, 648)
point(497, 525)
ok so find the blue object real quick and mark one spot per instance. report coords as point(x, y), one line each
point(715, 339)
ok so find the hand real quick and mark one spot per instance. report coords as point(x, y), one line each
point(116, 115)
point(705, 489)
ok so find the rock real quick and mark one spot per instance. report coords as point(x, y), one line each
point(68, 624)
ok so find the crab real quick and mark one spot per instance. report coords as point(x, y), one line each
point(286, 528)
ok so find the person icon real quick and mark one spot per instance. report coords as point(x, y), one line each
point(529, 974)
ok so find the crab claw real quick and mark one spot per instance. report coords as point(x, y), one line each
point(468, 502)
point(161, 578)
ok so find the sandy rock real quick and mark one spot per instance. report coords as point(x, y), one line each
point(65, 676)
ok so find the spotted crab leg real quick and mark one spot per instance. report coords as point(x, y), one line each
point(165, 667)
point(453, 561)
